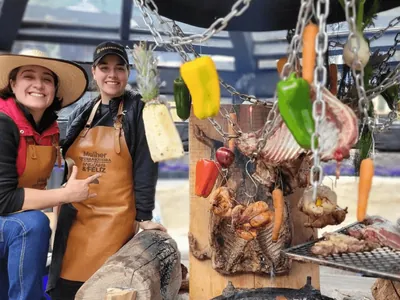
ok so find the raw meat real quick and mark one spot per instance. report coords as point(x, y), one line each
point(339, 134)
point(380, 231)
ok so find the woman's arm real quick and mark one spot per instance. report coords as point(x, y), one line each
point(13, 198)
point(145, 174)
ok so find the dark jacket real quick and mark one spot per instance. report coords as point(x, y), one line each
point(145, 171)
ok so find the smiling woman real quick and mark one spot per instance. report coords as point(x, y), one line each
point(111, 75)
point(105, 135)
point(33, 88)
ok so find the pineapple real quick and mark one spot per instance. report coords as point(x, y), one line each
point(162, 136)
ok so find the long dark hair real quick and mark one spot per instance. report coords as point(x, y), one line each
point(7, 92)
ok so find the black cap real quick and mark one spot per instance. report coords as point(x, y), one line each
point(110, 48)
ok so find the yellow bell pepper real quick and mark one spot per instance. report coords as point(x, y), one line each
point(201, 78)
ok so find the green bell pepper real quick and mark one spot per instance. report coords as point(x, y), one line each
point(295, 107)
point(183, 100)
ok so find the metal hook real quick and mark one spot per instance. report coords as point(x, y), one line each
point(280, 180)
point(330, 178)
point(373, 145)
point(362, 130)
point(252, 180)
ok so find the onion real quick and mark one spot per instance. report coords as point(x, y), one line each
point(362, 53)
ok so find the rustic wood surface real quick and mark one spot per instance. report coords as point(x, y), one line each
point(206, 283)
point(120, 294)
point(386, 290)
point(150, 263)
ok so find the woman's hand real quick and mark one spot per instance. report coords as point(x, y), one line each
point(149, 225)
point(77, 190)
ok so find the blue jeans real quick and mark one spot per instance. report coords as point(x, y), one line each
point(24, 244)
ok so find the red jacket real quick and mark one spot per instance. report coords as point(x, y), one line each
point(10, 108)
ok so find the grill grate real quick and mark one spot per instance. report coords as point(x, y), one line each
point(381, 262)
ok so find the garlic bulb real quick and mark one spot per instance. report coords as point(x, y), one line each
point(363, 52)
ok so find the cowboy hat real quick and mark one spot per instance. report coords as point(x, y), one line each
point(72, 78)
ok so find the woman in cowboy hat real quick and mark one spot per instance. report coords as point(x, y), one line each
point(32, 88)
point(105, 135)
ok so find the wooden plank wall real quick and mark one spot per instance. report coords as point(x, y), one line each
point(206, 283)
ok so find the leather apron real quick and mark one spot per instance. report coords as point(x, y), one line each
point(106, 222)
point(40, 162)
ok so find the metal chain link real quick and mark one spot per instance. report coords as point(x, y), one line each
point(376, 36)
point(319, 107)
point(252, 99)
point(380, 33)
point(238, 8)
point(383, 67)
point(175, 32)
point(363, 100)
point(293, 50)
point(295, 44)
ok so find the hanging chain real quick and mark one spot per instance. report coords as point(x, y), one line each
point(253, 100)
point(293, 50)
point(392, 79)
point(363, 100)
point(319, 107)
point(393, 23)
point(238, 8)
point(379, 34)
point(174, 32)
point(383, 67)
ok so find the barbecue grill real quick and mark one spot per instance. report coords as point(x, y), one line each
point(307, 292)
point(381, 262)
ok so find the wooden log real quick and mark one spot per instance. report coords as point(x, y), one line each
point(150, 263)
point(121, 294)
point(384, 289)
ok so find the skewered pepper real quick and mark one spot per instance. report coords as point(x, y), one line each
point(201, 77)
point(207, 172)
point(183, 101)
point(296, 109)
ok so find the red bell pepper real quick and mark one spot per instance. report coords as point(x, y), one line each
point(207, 172)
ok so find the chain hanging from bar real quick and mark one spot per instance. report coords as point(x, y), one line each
point(174, 32)
point(320, 78)
point(363, 102)
point(238, 8)
point(293, 51)
point(393, 23)
point(392, 79)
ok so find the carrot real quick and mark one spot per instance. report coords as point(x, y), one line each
point(364, 187)
point(280, 64)
point(278, 201)
point(309, 54)
point(333, 78)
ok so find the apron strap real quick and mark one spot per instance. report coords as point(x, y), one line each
point(90, 120)
point(56, 145)
point(118, 126)
point(32, 146)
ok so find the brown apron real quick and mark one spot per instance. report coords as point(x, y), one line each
point(40, 162)
point(106, 222)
